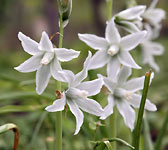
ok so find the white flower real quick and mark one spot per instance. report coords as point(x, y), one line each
point(123, 95)
point(151, 49)
point(45, 59)
point(130, 19)
point(113, 50)
point(154, 16)
point(76, 95)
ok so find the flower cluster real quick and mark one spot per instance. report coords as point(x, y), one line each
point(139, 18)
point(113, 51)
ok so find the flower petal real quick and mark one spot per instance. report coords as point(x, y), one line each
point(54, 68)
point(58, 104)
point(30, 46)
point(131, 41)
point(66, 76)
point(112, 34)
point(30, 65)
point(83, 74)
point(135, 102)
point(110, 84)
point(148, 50)
point(134, 84)
point(123, 75)
point(127, 113)
point(92, 87)
point(42, 78)
point(108, 110)
point(126, 59)
point(153, 4)
point(45, 43)
point(95, 42)
point(132, 13)
point(129, 26)
point(90, 106)
point(113, 67)
point(77, 113)
point(154, 16)
point(64, 54)
point(99, 59)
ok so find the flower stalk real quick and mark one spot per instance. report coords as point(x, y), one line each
point(109, 9)
point(113, 117)
point(113, 127)
point(58, 123)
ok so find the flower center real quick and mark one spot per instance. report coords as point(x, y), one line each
point(76, 93)
point(120, 94)
point(48, 56)
point(113, 50)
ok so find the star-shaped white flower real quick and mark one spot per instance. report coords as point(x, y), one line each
point(130, 19)
point(123, 95)
point(76, 96)
point(45, 59)
point(151, 49)
point(154, 16)
point(113, 50)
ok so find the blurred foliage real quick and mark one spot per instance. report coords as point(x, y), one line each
point(19, 102)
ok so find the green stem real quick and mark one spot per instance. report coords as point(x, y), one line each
point(113, 127)
point(162, 133)
point(141, 110)
point(58, 134)
point(109, 9)
point(112, 124)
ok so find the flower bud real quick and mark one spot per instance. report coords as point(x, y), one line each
point(65, 8)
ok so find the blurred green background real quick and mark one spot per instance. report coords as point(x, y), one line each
point(19, 102)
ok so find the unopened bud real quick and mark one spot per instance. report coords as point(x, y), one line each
point(65, 8)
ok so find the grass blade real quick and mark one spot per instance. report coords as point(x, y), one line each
point(141, 110)
point(162, 133)
point(97, 143)
point(21, 108)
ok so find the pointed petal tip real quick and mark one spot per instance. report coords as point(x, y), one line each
point(16, 68)
point(20, 36)
point(44, 33)
point(38, 92)
point(138, 67)
point(49, 109)
point(90, 54)
point(103, 117)
point(152, 107)
point(76, 132)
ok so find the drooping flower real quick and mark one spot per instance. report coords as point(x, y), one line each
point(151, 49)
point(45, 59)
point(113, 50)
point(153, 16)
point(130, 19)
point(76, 96)
point(122, 93)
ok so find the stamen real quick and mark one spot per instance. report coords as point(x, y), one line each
point(113, 50)
point(48, 56)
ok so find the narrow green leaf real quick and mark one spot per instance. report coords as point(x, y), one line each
point(21, 108)
point(162, 133)
point(97, 143)
point(23, 94)
point(141, 110)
